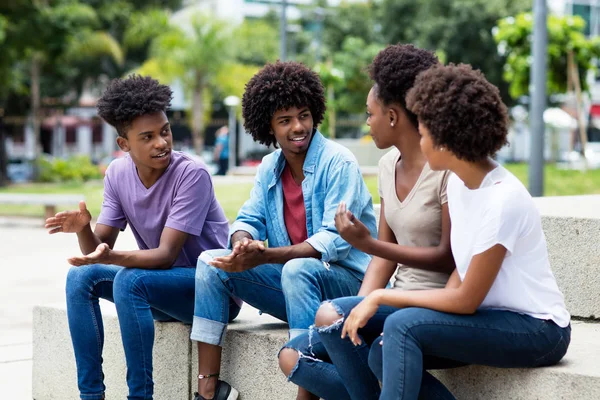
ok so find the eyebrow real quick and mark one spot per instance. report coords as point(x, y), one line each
point(305, 109)
point(161, 129)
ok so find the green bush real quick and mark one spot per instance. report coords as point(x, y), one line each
point(72, 169)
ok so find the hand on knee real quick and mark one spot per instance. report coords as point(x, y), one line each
point(326, 316)
point(288, 359)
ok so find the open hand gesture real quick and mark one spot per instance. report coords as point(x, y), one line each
point(99, 256)
point(69, 221)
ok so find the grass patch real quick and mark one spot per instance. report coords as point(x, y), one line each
point(557, 182)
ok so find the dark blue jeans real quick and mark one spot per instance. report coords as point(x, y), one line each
point(417, 339)
point(141, 296)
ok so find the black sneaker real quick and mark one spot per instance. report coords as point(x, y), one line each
point(223, 391)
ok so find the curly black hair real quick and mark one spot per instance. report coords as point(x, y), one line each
point(394, 70)
point(279, 86)
point(461, 109)
point(126, 99)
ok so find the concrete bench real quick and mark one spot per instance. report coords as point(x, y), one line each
point(49, 200)
point(252, 342)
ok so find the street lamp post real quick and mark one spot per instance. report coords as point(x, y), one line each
point(232, 102)
point(537, 91)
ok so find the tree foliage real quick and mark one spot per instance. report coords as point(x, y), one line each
point(459, 30)
point(565, 34)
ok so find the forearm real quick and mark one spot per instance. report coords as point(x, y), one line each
point(377, 276)
point(281, 255)
point(88, 240)
point(145, 259)
point(239, 235)
point(435, 258)
point(444, 300)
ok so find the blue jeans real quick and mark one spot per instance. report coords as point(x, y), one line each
point(140, 296)
point(291, 292)
point(417, 339)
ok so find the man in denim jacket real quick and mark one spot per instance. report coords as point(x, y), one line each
point(292, 205)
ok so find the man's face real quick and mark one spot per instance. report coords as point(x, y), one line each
point(293, 129)
point(149, 141)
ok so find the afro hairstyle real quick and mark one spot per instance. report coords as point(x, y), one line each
point(462, 111)
point(394, 70)
point(280, 86)
point(126, 99)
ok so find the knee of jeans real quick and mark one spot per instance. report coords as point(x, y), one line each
point(288, 360)
point(328, 317)
point(126, 281)
point(206, 275)
point(298, 271)
point(79, 280)
point(402, 320)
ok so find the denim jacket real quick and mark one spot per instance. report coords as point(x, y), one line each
point(331, 175)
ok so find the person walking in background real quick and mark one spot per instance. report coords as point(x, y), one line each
point(221, 153)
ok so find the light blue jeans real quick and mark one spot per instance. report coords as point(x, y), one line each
point(141, 296)
point(291, 292)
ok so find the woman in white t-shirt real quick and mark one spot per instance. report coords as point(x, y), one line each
point(414, 227)
point(502, 306)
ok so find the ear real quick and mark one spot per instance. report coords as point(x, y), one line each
point(394, 116)
point(123, 143)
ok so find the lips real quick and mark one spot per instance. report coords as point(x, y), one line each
point(298, 139)
point(164, 154)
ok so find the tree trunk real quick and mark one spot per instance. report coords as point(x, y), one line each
point(35, 108)
point(198, 116)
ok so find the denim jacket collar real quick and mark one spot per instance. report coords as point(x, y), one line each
point(312, 155)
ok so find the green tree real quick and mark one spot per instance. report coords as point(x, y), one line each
point(461, 30)
point(565, 34)
point(194, 56)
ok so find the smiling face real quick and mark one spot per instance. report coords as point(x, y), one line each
point(293, 129)
point(149, 141)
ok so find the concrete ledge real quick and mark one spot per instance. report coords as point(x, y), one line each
point(250, 363)
point(54, 372)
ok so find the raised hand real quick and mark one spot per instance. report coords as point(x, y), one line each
point(69, 221)
point(99, 256)
point(350, 228)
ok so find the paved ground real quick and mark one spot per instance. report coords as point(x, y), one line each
point(32, 271)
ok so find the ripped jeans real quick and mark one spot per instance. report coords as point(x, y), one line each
point(291, 292)
point(416, 340)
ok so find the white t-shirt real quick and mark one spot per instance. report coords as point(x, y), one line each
point(501, 211)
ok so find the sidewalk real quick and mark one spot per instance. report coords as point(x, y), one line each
point(33, 271)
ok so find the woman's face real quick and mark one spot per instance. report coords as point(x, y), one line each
point(437, 157)
point(378, 120)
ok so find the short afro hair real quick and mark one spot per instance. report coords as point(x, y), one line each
point(462, 111)
point(279, 86)
point(394, 70)
point(126, 99)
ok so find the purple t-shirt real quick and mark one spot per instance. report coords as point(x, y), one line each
point(182, 198)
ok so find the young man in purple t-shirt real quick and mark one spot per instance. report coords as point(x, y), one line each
point(168, 201)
